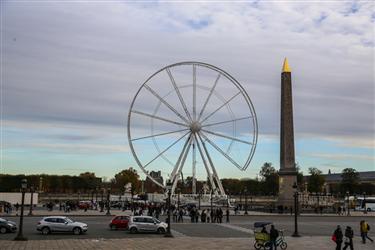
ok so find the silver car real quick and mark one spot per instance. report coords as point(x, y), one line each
point(146, 224)
point(60, 224)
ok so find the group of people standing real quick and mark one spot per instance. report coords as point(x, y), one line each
point(338, 236)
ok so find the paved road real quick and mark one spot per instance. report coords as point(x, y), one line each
point(240, 227)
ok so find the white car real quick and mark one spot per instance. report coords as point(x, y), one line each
point(60, 224)
point(146, 224)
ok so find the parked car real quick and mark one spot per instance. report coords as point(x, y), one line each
point(60, 224)
point(146, 224)
point(119, 222)
point(7, 226)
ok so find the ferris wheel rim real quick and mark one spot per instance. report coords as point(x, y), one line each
point(221, 72)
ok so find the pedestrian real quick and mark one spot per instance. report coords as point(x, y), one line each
point(274, 234)
point(364, 227)
point(348, 238)
point(338, 236)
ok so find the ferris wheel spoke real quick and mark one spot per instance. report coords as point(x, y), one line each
point(220, 150)
point(194, 92)
point(225, 103)
point(226, 136)
point(159, 118)
point(228, 121)
point(178, 93)
point(166, 133)
point(165, 150)
point(165, 103)
point(176, 167)
point(182, 164)
point(212, 166)
point(205, 163)
point(209, 96)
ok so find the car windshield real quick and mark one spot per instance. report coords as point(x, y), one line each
point(157, 221)
point(2, 220)
point(69, 220)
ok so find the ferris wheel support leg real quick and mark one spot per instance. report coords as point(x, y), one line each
point(213, 185)
point(175, 169)
point(194, 185)
point(181, 165)
point(221, 189)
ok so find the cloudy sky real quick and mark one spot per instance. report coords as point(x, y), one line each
point(71, 69)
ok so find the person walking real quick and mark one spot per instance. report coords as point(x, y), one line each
point(364, 227)
point(274, 234)
point(338, 237)
point(348, 238)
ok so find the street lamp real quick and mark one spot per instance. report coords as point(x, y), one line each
point(245, 193)
point(108, 201)
point(348, 206)
point(101, 201)
point(169, 188)
point(178, 199)
point(199, 200)
point(20, 236)
point(364, 203)
point(211, 212)
point(295, 234)
point(227, 206)
point(31, 200)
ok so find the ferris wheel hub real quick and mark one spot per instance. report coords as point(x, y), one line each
point(195, 127)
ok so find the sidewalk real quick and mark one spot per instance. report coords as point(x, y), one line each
point(305, 243)
point(44, 212)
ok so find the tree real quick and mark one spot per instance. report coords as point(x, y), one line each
point(126, 176)
point(270, 179)
point(350, 180)
point(316, 180)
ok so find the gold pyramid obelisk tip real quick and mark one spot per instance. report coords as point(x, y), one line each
point(286, 67)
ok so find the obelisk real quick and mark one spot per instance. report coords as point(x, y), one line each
point(287, 173)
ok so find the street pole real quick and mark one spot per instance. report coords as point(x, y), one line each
point(169, 234)
point(20, 236)
point(108, 202)
point(211, 212)
point(178, 200)
point(31, 200)
point(295, 234)
point(199, 200)
point(227, 206)
point(348, 206)
point(246, 201)
point(101, 201)
point(364, 202)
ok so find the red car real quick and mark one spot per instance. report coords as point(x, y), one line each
point(119, 222)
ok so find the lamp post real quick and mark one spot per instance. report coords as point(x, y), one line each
point(364, 203)
point(348, 204)
point(96, 198)
point(31, 200)
point(199, 200)
point(101, 201)
point(20, 236)
point(108, 201)
point(295, 234)
point(211, 212)
point(245, 193)
point(227, 206)
point(169, 188)
point(240, 200)
point(178, 199)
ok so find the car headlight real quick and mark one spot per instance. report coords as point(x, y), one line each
point(11, 225)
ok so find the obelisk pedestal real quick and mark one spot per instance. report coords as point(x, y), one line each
point(287, 173)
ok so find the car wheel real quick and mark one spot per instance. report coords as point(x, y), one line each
point(113, 227)
point(3, 230)
point(161, 230)
point(283, 245)
point(77, 231)
point(46, 230)
point(133, 230)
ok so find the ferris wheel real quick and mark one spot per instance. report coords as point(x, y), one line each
point(192, 119)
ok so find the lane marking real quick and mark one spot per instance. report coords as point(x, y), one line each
point(237, 228)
